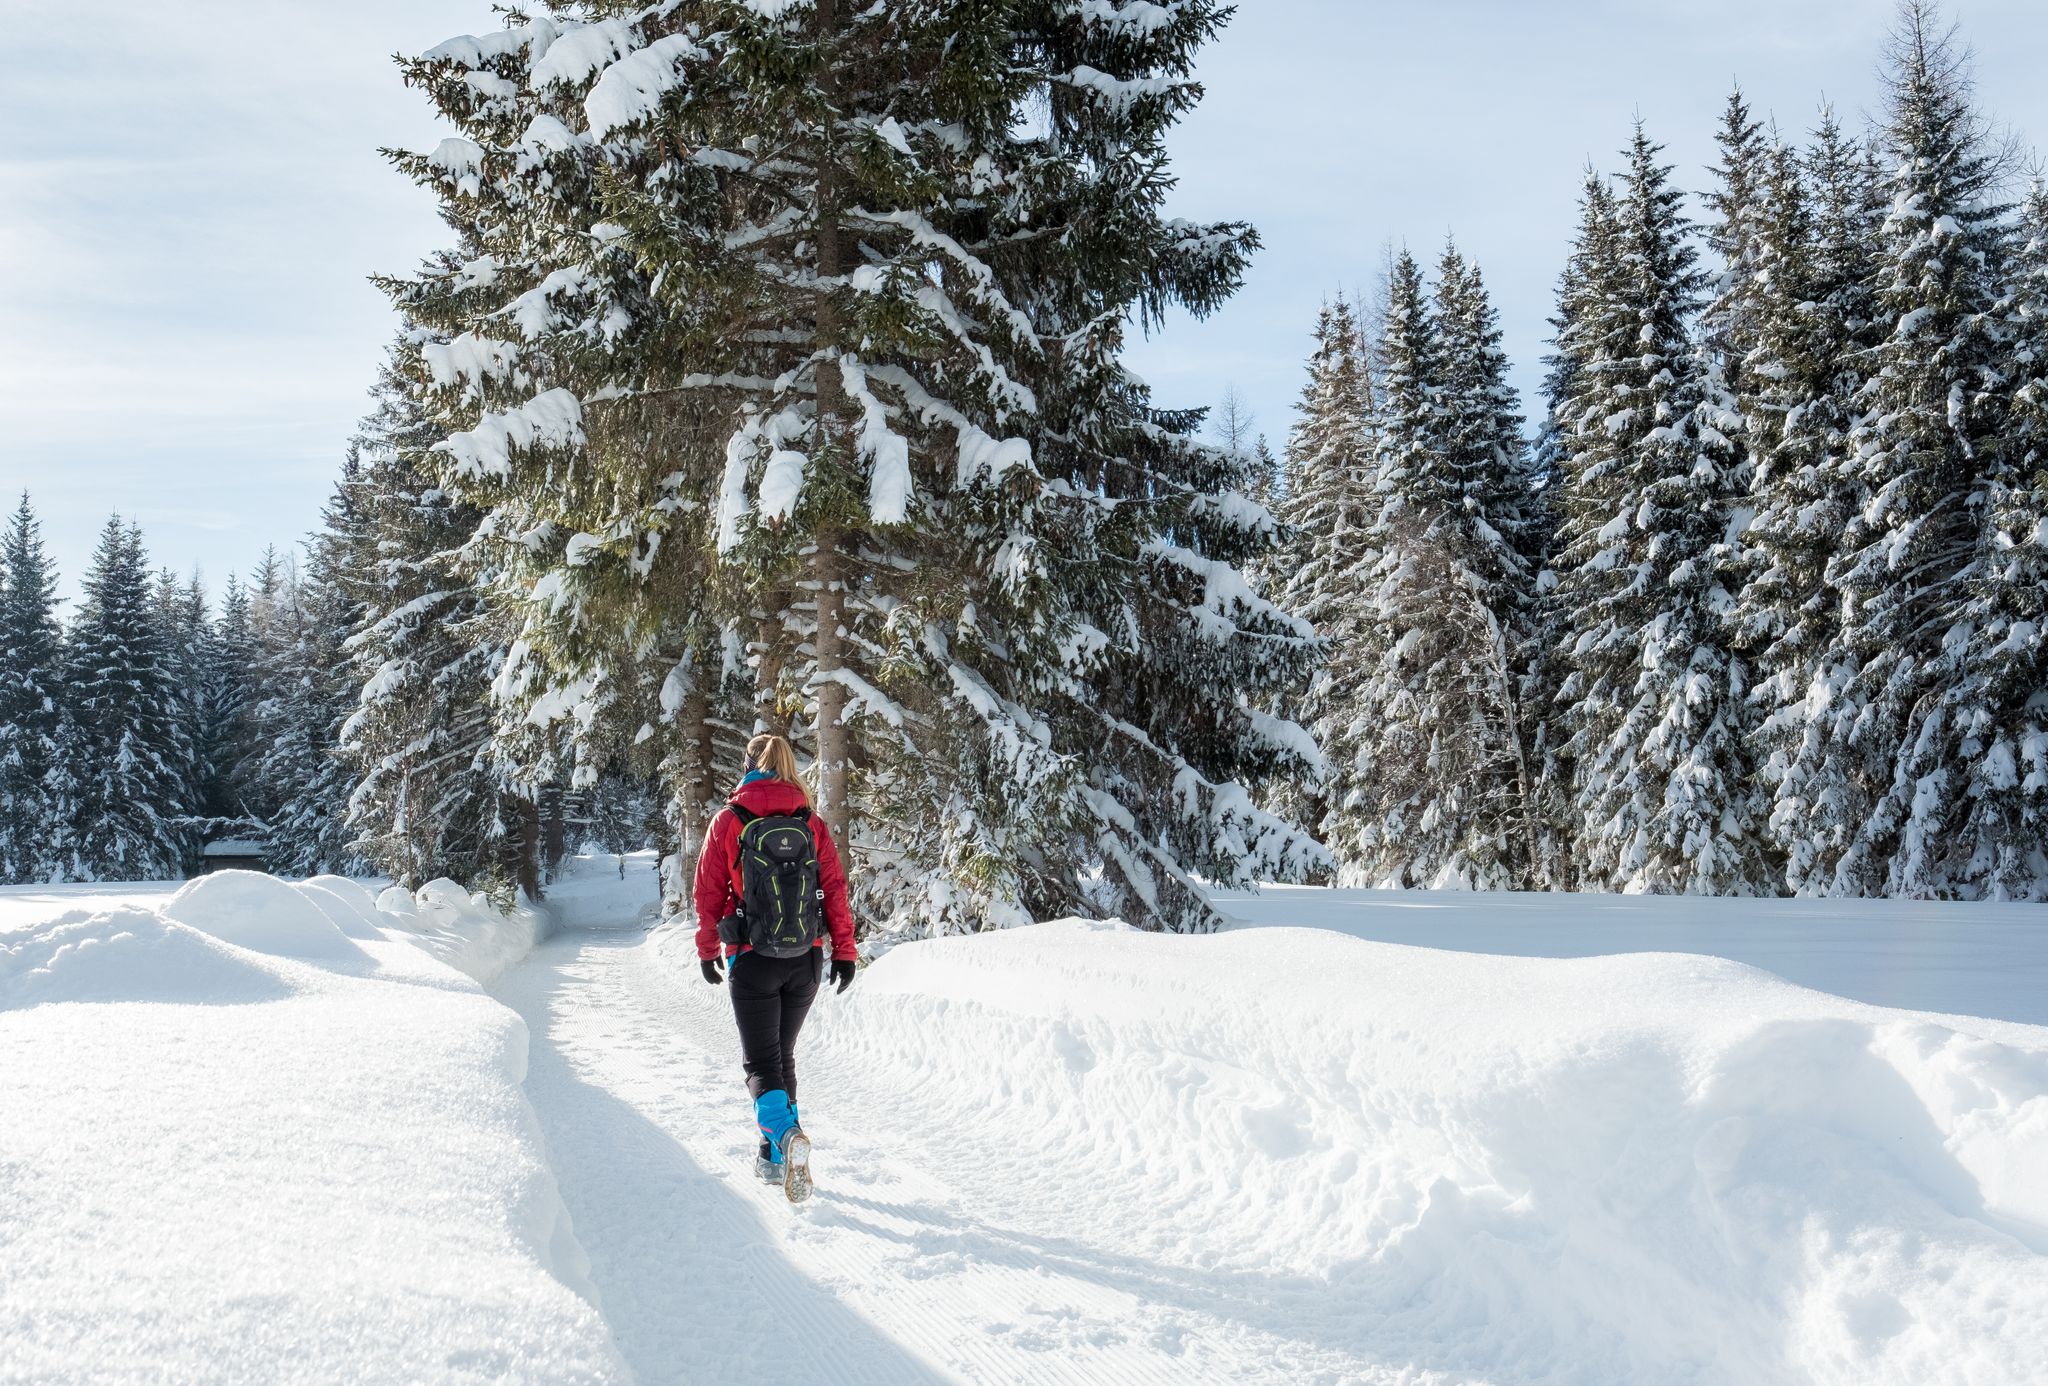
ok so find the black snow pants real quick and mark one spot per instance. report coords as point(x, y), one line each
point(770, 998)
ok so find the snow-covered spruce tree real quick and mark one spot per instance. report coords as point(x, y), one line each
point(1576, 336)
point(1933, 412)
point(1323, 568)
point(1502, 528)
point(310, 691)
point(1998, 711)
point(1442, 784)
point(1655, 699)
point(574, 433)
point(124, 796)
point(890, 301)
point(181, 618)
point(245, 652)
point(31, 703)
point(428, 799)
point(1102, 667)
point(1814, 261)
point(229, 680)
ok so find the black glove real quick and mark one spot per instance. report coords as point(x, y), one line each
point(711, 973)
point(842, 973)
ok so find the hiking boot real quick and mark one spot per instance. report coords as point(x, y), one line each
point(796, 1165)
point(768, 1164)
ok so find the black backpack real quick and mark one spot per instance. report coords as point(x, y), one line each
point(782, 906)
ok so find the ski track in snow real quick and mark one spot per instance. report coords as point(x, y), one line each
point(704, 1273)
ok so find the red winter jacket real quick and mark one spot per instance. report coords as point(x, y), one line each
point(718, 869)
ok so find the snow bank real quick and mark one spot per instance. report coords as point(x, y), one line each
point(462, 928)
point(254, 1134)
point(264, 914)
point(352, 908)
point(125, 954)
point(1639, 1168)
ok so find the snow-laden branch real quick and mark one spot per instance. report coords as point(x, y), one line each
point(550, 420)
point(1225, 593)
point(872, 279)
point(979, 451)
point(986, 291)
point(887, 451)
point(470, 362)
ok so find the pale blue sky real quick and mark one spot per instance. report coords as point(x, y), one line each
point(190, 200)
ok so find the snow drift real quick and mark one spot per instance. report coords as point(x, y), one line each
point(1640, 1168)
point(254, 1134)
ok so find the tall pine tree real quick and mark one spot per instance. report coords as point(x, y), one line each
point(1729, 323)
point(310, 691)
point(1814, 259)
point(1933, 411)
point(31, 704)
point(1576, 326)
point(1655, 700)
point(125, 796)
point(1999, 710)
point(228, 672)
point(1329, 505)
point(429, 799)
point(1445, 793)
point(873, 378)
point(182, 623)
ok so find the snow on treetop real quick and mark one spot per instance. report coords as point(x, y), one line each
point(479, 50)
point(631, 89)
point(1138, 17)
point(581, 51)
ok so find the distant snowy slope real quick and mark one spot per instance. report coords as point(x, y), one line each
point(1957, 959)
point(252, 1135)
point(1378, 1163)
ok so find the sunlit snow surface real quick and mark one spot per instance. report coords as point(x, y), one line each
point(1064, 1153)
point(261, 1133)
point(1961, 959)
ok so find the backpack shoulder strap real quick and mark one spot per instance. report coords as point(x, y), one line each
point(745, 816)
point(802, 815)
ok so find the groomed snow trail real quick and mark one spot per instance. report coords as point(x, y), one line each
point(909, 1265)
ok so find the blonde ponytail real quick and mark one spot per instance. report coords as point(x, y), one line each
point(773, 754)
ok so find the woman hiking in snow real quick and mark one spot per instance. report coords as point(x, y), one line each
point(769, 890)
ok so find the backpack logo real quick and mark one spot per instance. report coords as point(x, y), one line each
point(781, 901)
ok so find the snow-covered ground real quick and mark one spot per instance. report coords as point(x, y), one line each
point(21, 906)
point(1067, 1153)
point(1961, 959)
point(251, 1132)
